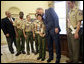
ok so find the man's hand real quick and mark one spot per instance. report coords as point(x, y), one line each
point(56, 30)
point(7, 35)
point(76, 36)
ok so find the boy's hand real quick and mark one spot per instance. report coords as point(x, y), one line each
point(25, 36)
point(43, 35)
point(16, 35)
point(40, 33)
point(33, 35)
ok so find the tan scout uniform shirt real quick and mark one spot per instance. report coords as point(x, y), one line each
point(37, 26)
point(28, 26)
point(43, 28)
point(75, 15)
point(19, 23)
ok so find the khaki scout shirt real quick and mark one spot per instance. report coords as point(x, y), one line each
point(19, 23)
point(75, 15)
point(37, 26)
point(28, 26)
point(42, 28)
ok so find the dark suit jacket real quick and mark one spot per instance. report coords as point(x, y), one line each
point(51, 20)
point(7, 26)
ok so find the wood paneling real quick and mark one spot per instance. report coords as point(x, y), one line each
point(64, 45)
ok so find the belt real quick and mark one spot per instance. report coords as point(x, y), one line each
point(74, 28)
point(29, 32)
point(19, 29)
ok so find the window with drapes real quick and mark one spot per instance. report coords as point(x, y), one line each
point(81, 8)
point(81, 5)
point(60, 8)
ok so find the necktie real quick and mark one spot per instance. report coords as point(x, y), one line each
point(11, 20)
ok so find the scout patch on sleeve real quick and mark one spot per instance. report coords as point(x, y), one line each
point(80, 12)
point(79, 15)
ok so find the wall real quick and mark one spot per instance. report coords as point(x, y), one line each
point(25, 6)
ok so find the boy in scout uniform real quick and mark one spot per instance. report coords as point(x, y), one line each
point(28, 34)
point(74, 22)
point(42, 43)
point(20, 40)
point(37, 29)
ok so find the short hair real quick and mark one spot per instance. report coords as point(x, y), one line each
point(39, 9)
point(27, 16)
point(38, 15)
point(21, 12)
point(73, 1)
point(6, 12)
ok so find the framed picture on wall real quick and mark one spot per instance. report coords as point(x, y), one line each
point(15, 15)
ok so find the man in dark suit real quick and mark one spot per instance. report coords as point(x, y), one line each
point(51, 22)
point(8, 29)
